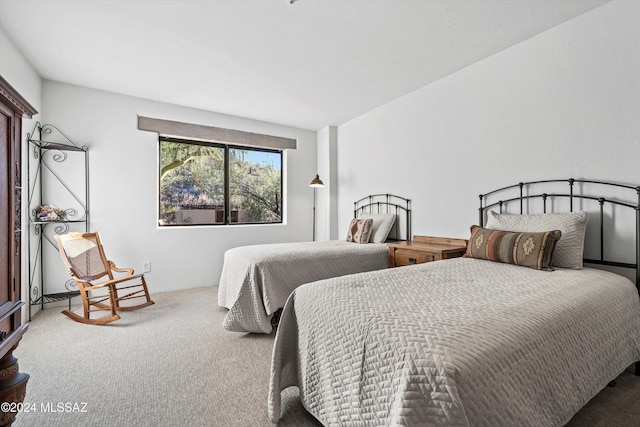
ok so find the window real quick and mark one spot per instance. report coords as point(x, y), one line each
point(211, 183)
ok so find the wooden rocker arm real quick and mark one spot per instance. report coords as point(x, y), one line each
point(112, 265)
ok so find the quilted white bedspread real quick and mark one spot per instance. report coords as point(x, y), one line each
point(462, 342)
point(257, 280)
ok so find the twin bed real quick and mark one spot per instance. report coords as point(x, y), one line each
point(517, 332)
point(257, 280)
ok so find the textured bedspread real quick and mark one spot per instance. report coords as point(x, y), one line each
point(257, 280)
point(463, 342)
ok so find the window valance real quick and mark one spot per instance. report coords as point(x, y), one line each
point(210, 133)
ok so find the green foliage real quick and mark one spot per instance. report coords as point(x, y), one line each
point(192, 177)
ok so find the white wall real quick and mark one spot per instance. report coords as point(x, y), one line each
point(123, 185)
point(327, 212)
point(18, 72)
point(565, 103)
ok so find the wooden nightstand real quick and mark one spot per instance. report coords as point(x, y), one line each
point(425, 249)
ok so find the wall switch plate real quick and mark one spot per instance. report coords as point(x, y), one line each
point(146, 267)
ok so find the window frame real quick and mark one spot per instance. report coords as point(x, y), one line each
point(227, 180)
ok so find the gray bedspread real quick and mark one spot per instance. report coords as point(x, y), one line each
point(462, 342)
point(257, 280)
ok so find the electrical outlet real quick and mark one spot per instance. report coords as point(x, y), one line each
point(146, 267)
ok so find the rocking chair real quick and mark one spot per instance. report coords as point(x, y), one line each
point(84, 257)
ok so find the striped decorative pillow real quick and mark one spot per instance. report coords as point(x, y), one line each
point(570, 248)
point(520, 248)
point(359, 230)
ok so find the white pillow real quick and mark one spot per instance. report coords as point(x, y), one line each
point(569, 249)
point(381, 226)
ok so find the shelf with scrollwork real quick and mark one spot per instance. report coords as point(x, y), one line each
point(55, 222)
point(56, 146)
point(57, 170)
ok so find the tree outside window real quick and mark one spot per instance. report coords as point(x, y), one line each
point(212, 184)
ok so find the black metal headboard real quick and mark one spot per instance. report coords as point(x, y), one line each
point(388, 203)
point(581, 192)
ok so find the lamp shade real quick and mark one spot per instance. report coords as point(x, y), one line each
point(317, 182)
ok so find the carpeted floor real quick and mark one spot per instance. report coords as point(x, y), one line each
point(172, 364)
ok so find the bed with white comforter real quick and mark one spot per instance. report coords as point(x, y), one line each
point(256, 280)
point(462, 342)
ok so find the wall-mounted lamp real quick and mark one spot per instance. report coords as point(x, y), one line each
point(315, 183)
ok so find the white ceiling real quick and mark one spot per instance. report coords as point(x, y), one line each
point(308, 64)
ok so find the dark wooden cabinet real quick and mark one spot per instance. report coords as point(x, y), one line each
point(13, 107)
